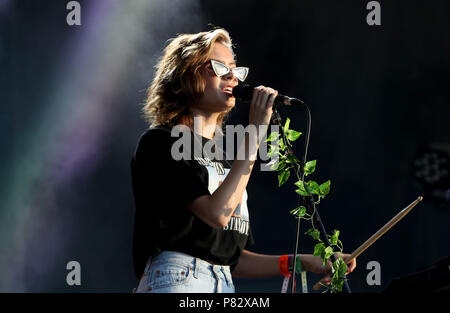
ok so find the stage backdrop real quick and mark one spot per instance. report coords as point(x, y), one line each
point(71, 98)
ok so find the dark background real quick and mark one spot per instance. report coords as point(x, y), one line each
point(70, 114)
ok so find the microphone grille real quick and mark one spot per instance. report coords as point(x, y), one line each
point(243, 92)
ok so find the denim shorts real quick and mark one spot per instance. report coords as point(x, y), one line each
point(171, 272)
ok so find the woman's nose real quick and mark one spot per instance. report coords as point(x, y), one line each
point(230, 76)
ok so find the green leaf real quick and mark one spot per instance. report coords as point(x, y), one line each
point(335, 266)
point(334, 238)
point(283, 176)
point(275, 166)
point(292, 135)
point(273, 149)
point(291, 158)
point(339, 268)
point(273, 136)
point(302, 192)
point(278, 166)
point(325, 188)
point(328, 252)
point(302, 211)
point(342, 268)
point(337, 282)
point(340, 245)
point(301, 189)
point(309, 167)
point(315, 234)
point(286, 125)
point(282, 146)
point(319, 249)
point(299, 211)
point(312, 187)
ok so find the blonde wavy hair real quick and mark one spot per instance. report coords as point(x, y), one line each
point(178, 82)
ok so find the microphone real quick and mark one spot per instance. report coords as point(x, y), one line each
point(245, 92)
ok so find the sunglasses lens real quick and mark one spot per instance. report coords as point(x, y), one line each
point(219, 68)
point(241, 73)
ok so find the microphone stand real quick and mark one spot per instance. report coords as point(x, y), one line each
point(308, 202)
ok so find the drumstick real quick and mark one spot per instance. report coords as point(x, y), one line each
point(379, 233)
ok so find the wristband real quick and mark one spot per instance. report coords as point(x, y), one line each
point(298, 264)
point(283, 266)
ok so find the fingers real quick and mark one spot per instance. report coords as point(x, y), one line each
point(351, 266)
point(267, 94)
point(256, 99)
point(272, 97)
point(261, 106)
point(264, 97)
point(326, 280)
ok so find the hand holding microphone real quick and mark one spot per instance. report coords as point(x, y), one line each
point(260, 112)
point(262, 101)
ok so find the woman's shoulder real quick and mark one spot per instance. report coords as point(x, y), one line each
point(160, 136)
point(161, 132)
point(155, 142)
point(165, 132)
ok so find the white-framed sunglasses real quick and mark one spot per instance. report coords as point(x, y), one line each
point(221, 69)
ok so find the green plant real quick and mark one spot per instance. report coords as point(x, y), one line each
point(288, 162)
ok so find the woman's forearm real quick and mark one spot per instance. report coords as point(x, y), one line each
point(218, 208)
point(254, 265)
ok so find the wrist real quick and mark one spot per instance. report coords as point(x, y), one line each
point(283, 265)
point(248, 148)
point(286, 264)
point(298, 264)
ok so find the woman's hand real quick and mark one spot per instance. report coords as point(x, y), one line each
point(261, 109)
point(261, 105)
point(314, 264)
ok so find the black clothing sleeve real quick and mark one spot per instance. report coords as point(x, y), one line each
point(158, 171)
point(162, 188)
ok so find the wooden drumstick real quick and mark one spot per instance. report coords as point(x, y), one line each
point(379, 233)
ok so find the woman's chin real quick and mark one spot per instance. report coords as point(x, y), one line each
point(231, 103)
point(226, 106)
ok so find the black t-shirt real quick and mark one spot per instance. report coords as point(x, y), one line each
point(163, 187)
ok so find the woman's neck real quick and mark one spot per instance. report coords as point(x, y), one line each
point(204, 123)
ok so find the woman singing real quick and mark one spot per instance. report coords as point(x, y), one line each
point(192, 229)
